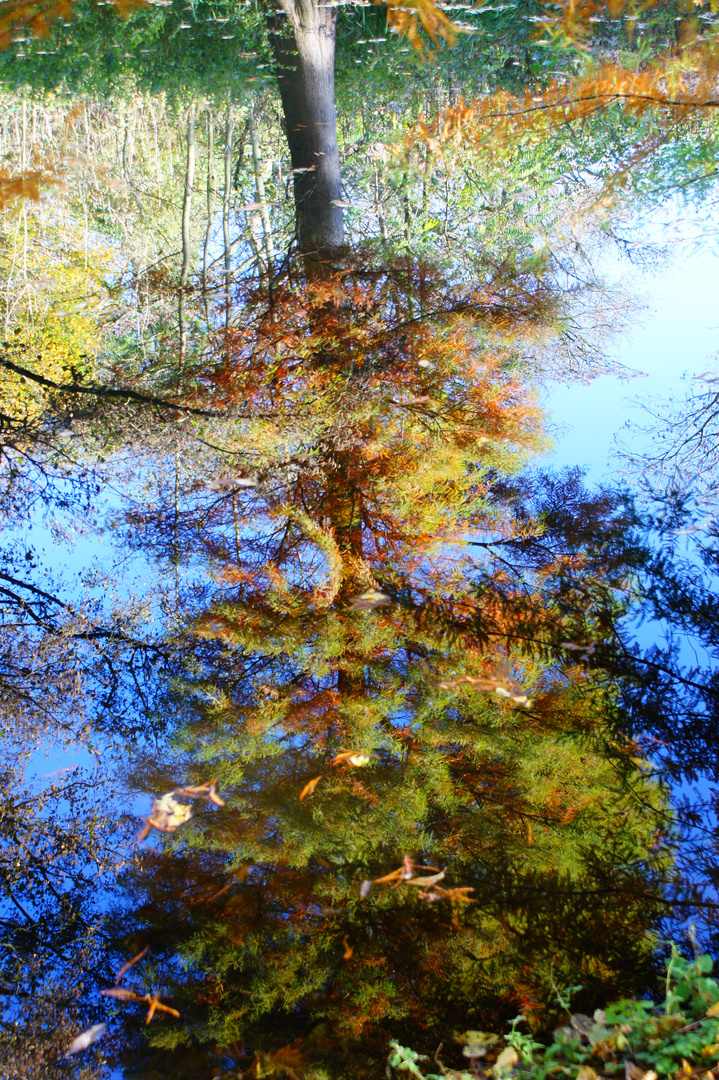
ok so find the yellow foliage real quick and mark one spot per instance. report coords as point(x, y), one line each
point(52, 320)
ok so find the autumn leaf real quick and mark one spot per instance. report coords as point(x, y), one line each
point(121, 994)
point(507, 1059)
point(126, 967)
point(352, 757)
point(86, 1039)
point(310, 787)
point(423, 881)
point(369, 600)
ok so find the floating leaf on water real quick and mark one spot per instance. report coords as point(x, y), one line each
point(459, 895)
point(126, 967)
point(480, 684)
point(583, 1024)
point(310, 787)
point(168, 814)
point(507, 1059)
point(430, 896)
point(369, 600)
point(476, 1043)
point(202, 791)
point(121, 994)
point(352, 757)
point(230, 481)
point(213, 796)
point(156, 1006)
point(86, 1039)
point(422, 881)
point(143, 833)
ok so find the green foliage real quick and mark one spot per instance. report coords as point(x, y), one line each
point(680, 1036)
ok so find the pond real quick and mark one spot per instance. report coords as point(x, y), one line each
point(358, 639)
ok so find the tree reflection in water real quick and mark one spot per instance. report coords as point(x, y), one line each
point(411, 769)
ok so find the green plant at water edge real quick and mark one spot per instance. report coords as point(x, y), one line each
point(636, 1039)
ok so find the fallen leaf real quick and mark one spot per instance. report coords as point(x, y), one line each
point(507, 1059)
point(369, 600)
point(168, 814)
point(348, 948)
point(121, 994)
point(86, 1039)
point(457, 895)
point(310, 787)
point(126, 967)
point(154, 1001)
point(423, 881)
point(160, 1007)
point(351, 757)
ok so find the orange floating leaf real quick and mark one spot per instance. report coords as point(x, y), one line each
point(121, 994)
point(310, 787)
point(126, 967)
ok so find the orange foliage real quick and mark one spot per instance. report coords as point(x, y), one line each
point(575, 20)
point(25, 185)
point(394, 389)
point(406, 17)
point(37, 16)
point(672, 88)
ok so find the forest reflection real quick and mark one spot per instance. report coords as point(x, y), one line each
point(369, 683)
point(378, 749)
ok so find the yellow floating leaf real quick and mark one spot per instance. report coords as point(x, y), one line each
point(507, 1059)
point(351, 757)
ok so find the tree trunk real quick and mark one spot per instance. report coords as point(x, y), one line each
point(260, 189)
point(186, 207)
point(303, 45)
point(229, 135)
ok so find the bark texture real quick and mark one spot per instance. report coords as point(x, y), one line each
point(302, 34)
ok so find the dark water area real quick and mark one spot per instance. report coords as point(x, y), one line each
point(350, 728)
